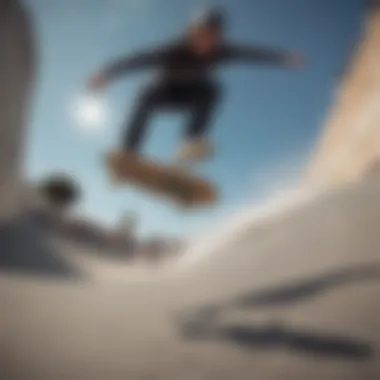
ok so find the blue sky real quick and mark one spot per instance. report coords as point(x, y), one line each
point(266, 127)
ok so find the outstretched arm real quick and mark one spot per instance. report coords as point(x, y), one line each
point(257, 54)
point(125, 65)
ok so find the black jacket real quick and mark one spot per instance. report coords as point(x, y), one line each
point(176, 62)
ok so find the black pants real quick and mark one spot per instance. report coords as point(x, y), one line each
point(199, 99)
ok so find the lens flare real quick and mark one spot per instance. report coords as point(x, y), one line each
point(89, 113)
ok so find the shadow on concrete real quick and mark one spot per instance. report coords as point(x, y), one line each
point(305, 289)
point(25, 249)
point(276, 337)
point(206, 322)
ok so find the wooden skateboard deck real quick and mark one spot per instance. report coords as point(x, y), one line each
point(183, 187)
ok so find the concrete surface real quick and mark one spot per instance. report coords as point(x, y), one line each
point(295, 294)
point(17, 69)
point(350, 141)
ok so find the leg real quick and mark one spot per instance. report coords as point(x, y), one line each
point(136, 130)
point(203, 101)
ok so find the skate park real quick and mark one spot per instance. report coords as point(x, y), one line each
point(291, 288)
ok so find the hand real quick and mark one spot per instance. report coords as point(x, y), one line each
point(295, 61)
point(97, 82)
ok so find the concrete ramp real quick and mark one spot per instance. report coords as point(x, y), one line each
point(349, 144)
point(295, 294)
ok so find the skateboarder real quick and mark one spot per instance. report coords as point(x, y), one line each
point(185, 82)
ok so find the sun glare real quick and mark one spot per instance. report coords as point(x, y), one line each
point(89, 113)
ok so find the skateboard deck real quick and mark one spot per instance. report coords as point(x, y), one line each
point(177, 184)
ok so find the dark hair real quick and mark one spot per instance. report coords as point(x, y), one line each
point(211, 19)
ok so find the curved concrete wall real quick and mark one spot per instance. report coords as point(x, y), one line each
point(16, 75)
point(350, 142)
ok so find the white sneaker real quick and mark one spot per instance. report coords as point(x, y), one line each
point(194, 150)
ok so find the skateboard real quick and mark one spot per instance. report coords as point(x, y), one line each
point(175, 183)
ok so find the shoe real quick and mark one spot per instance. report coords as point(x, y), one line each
point(194, 150)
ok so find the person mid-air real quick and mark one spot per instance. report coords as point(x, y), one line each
point(185, 81)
